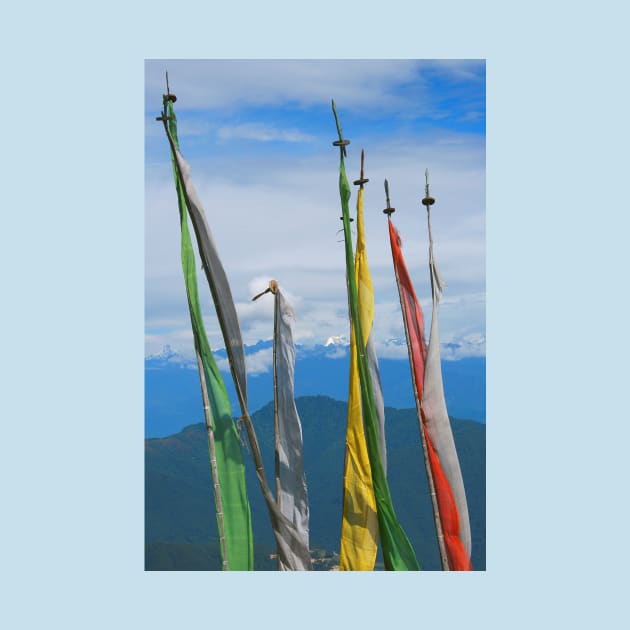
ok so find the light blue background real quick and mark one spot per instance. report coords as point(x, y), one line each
point(72, 278)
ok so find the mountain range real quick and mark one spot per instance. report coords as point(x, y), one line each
point(180, 524)
point(173, 398)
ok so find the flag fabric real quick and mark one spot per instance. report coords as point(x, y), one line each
point(434, 423)
point(215, 274)
point(233, 510)
point(359, 529)
point(398, 554)
point(447, 474)
point(289, 541)
point(291, 481)
point(412, 312)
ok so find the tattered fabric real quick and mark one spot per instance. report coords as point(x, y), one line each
point(217, 280)
point(448, 476)
point(293, 495)
point(288, 539)
point(422, 371)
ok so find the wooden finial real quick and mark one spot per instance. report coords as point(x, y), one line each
point(362, 180)
point(341, 143)
point(428, 200)
point(272, 288)
point(168, 95)
point(389, 208)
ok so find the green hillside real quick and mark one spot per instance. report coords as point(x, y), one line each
point(180, 525)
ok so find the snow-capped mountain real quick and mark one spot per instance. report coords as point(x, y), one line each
point(173, 399)
point(338, 340)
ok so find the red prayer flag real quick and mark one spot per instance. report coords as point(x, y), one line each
point(456, 540)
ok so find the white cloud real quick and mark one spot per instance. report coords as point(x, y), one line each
point(219, 84)
point(337, 340)
point(294, 238)
point(278, 216)
point(260, 361)
point(261, 133)
point(257, 363)
point(473, 345)
point(391, 351)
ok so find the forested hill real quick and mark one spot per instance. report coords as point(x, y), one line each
point(180, 525)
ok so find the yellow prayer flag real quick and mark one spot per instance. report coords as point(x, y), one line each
point(359, 530)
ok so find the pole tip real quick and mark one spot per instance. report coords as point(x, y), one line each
point(428, 200)
point(168, 96)
point(389, 208)
point(272, 288)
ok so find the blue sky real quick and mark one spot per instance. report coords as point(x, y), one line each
point(258, 135)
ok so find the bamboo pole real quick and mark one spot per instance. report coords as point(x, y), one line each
point(204, 393)
point(273, 288)
point(428, 201)
point(251, 434)
point(213, 462)
point(273, 509)
point(276, 418)
point(272, 506)
point(249, 427)
point(395, 542)
point(425, 452)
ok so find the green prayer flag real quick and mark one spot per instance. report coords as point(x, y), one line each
point(234, 515)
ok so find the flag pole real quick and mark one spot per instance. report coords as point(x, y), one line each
point(428, 201)
point(359, 523)
point(291, 494)
point(398, 554)
point(213, 462)
point(222, 325)
point(206, 402)
point(287, 537)
point(369, 344)
point(441, 445)
point(278, 520)
point(251, 435)
point(425, 453)
point(273, 288)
